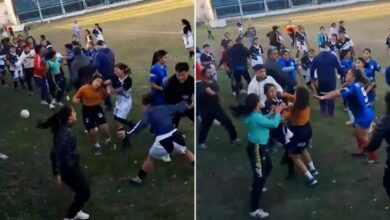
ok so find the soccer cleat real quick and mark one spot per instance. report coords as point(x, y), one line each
point(311, 182)
point(97, 150)
point(43, 102)
point(166, 159)
point(135, 181)
point(52, 106)
point(81, 215)
point(202, 146)
point(314, 172)
point(259, 213)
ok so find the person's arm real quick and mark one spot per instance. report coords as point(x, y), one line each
point(379, 134)
point(268, 122)
point(153, 79)
point(143, 123)
point(289, 97)
point(333, 94)
point(77, 97)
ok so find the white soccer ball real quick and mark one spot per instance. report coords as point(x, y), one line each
point(24, 113)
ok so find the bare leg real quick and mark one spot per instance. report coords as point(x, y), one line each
point(105, 130)
point(299, 164)
point(93, 136)
point(306, 156)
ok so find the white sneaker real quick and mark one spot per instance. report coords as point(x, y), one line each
point(265, 189)
point(216, 122)
point(67, 98)
point(203, 146)
point(52, 106)
point(59, 103)
point(81, 215)
point(43, 102)
point(68, 219)
point(259, 213)
point(166, 159)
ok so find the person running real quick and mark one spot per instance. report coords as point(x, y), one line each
point(258, 126)
point(257, 52)
point(65, 159)
point(358, 103)
point(211, 108)
point(15, 68)
point(158, 76)
point(382, 131)
point(288, 65)
point(188, 37)
point(27, 60)
point(274, 38)
point(98, 32)
point(168, 140)
point(91, 95)
point(298, 122)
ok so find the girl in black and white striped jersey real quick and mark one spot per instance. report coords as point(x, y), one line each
point(188, 37)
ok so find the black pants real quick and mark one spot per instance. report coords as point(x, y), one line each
point(237, 74)
point(261, 165)
point(28, 75)
point(386, 179)
point(74, 178)
point(189, 114)
point(207, 121)
point(57, 93)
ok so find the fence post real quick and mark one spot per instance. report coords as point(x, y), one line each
point(265, 5)
point(62, 7)
point(85, 5)
point(241, 13)
point(39, 10)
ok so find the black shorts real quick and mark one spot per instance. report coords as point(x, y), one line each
point(302, 135)
point(93, 116)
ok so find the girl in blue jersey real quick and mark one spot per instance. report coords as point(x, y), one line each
point(358, 103)
point(346, 62)
point(371, 66)
point(370, 88)
point(288, 65)
point(158, 76)
point(259, 126)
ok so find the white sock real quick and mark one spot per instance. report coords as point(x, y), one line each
point(308, 175)
point(311, 165)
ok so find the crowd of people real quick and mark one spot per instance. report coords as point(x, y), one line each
point(88, 74)
point(276, 109)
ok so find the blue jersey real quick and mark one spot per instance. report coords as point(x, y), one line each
point(373, 67)
point(160, 118)
point(288, 67)
point(346, 64)
point(357, 99)
point(158, 76)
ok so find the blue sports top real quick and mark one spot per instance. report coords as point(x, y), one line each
point(356, 98)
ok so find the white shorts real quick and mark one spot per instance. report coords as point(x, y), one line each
point(302, 47)
point(157, 151)
point(306, 76)
point(121, 112)
point(17, 74)
point(255, 62)
point(190, 43)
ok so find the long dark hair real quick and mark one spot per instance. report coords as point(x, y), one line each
point(360, 77)
point(126, 70)
point(246, 109)
point(158, 55)
point(302, 100)
point(55, 121)
point(186, 23)
point(33, 40)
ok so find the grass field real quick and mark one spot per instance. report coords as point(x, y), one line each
point(27, 190)
point(347, 189)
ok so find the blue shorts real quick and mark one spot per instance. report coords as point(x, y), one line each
point(301, 139)
point(365, 119)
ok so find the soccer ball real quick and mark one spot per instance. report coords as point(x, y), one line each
point(24, 113)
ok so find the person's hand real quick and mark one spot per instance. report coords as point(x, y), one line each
point(280, 108)
point(58, 181)
point(318, 97)
point(76, 100)
point(122, 134)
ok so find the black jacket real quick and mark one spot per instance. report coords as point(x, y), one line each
point(64, 154)
point(274, 70)
point(382, 131)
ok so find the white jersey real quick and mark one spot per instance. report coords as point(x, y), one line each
point(188, 40)
point(123, 99)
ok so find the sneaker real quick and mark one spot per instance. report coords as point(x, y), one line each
point(59, 103)
point(349, 122)
point(97, 150)
point(264, 189)
point(166, 159)
point(314, 172)
point(311, 182)
point(203, 146)
point(237, 141)
point(259, 213)
point(135, 181)
point(368, 162)
point(216, 122)
point(243, 91)
point(67, 98)
point(81, 215)
point(43, 102)
point(52, 106)
point(234, 94)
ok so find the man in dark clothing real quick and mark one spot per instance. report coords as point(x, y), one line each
point(274, 70)
point(104, 62)
point(238, 57)
point(180, 87)
point(80, 60)
point(323, 75)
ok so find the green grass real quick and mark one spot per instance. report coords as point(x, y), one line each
point(346, 190)
point(27, 188)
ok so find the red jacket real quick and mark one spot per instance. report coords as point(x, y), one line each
point(198, 69)
point(39, 66)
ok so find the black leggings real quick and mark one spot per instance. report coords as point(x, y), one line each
point(207, 121)
point(189, 114)
point(237, 74)
point(74, 178)
point(28, 75)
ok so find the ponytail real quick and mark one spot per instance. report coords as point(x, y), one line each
point(158, 55)
point(55, 121)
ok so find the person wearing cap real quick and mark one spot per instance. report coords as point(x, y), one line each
point(323, 75)
point(238, 56)
point(256, 86)
point(104, 63)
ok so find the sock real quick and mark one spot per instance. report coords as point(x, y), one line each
point(311, 165)
point(371, 155)
point(142, 174)
point(308, 175)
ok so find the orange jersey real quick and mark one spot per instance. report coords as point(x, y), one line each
point(300, 118)
point(290, 29)
point(90, 96)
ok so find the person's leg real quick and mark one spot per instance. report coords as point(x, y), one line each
point(190, 114)
point(330, 106)
point(176, 119)
point(27, 77)
point(147, 166)
point(386, 179)
point(237, 79)
point(323, 105)
point(247, 76)
point(308, 160)
point(3, 76)
point(207, 121)
point(227, 123)
point(363, 140)
point(74, 178)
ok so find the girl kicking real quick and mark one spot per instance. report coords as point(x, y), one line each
point(168, 139)
point(298, 122)
point(359, 105)
point(65, 159)
point(258, 126)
